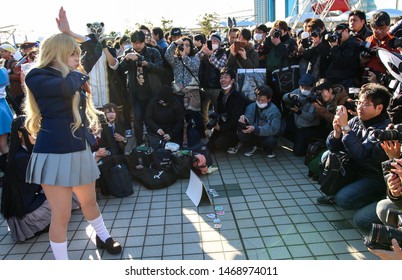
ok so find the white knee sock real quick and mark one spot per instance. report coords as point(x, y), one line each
point(59, 250)
point(100, 228)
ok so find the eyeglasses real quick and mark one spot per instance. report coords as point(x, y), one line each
point(362, 104)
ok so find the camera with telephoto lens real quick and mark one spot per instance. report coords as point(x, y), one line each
point(380, 237)
point(394, 133)
point(214, 119)
point(314, 96)
point(277, 33)
point(293, 100)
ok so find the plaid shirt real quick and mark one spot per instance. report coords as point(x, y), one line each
point(217, 63)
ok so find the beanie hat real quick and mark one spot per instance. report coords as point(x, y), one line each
point(216, 36)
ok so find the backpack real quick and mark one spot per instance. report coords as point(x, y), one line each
point(115, 178)
point(314, 166)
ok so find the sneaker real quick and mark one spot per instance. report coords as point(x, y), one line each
point(271, 155)
point(250, 152)
point(234, 150)
point(326, 200)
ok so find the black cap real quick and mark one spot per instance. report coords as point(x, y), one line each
point(342, 26)
point(175, 31)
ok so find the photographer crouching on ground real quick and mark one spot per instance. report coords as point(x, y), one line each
point(302, 123)
point(357, 138)
point(229, 109)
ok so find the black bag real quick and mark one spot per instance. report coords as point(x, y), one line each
point(182, 163)
point(313, 149)
point(155, 179)
point(115, 177)
point(337, 171)
point(161, 159)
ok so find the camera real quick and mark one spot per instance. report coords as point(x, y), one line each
point(180, 48)
point(277, 33)
point(350, 105)
point(294, 100)
point(314, 97)
point(391, 134)
point(140, 60)
point(380, 237)
point(243, 125)
point(214, 119)
point(316, 33)
point(332, 37)
point(386, 165)
point(394, 43)
point(365, 50)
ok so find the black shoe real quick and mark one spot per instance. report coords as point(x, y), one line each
point(326, 199)
point(113, 247)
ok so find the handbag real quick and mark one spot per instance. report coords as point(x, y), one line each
point(337, 171)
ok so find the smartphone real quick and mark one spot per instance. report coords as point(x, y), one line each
point(238, 45)
point(209, 44)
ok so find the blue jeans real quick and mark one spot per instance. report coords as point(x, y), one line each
point(366, 216)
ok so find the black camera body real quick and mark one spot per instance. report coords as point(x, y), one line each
point(365, 50)
point(316, 33)
point(214, 119)
point(140, 60)
point(277, 33)
point(294, 100)
point(306, 43)
point(180, 48)
point(332, 37)
point(312, 97)
point(391, 134)
point(243, 125)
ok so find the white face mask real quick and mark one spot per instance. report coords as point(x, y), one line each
point(215, 47)
point(227, 87)
point(261, 105)
point(257, 36)
point(305, 92)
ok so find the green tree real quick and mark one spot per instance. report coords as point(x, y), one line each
point(208, 23)
point(167, 24)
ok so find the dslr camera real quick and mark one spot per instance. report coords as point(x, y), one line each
point(332, 37)
point(386, 165)
point(294, 100)
point(277, 33)
point(365, 50)
point(380, 236)
point(391, 134)
point(214, 119)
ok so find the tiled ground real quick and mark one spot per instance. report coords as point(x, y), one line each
point(269, 213)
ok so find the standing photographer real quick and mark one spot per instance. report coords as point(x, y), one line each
point(144, 66)
point(344, 66)
point(380, 24)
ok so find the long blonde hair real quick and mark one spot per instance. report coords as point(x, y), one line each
point(55, 51)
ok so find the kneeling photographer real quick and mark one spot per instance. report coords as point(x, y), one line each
point(302, 124)
point(229, 109)
point(328, 97)
point(260, 124)
point(356, 137)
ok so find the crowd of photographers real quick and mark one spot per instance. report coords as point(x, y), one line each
point(345, 95)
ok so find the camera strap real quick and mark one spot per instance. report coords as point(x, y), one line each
point(191, 73)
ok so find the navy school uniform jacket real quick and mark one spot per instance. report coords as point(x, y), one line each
point(54, 94)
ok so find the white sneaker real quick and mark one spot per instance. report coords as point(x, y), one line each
point(251, 151)
point(235, 149)
point(271, 155)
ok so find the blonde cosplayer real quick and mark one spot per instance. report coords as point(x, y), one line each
point(55, 52)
